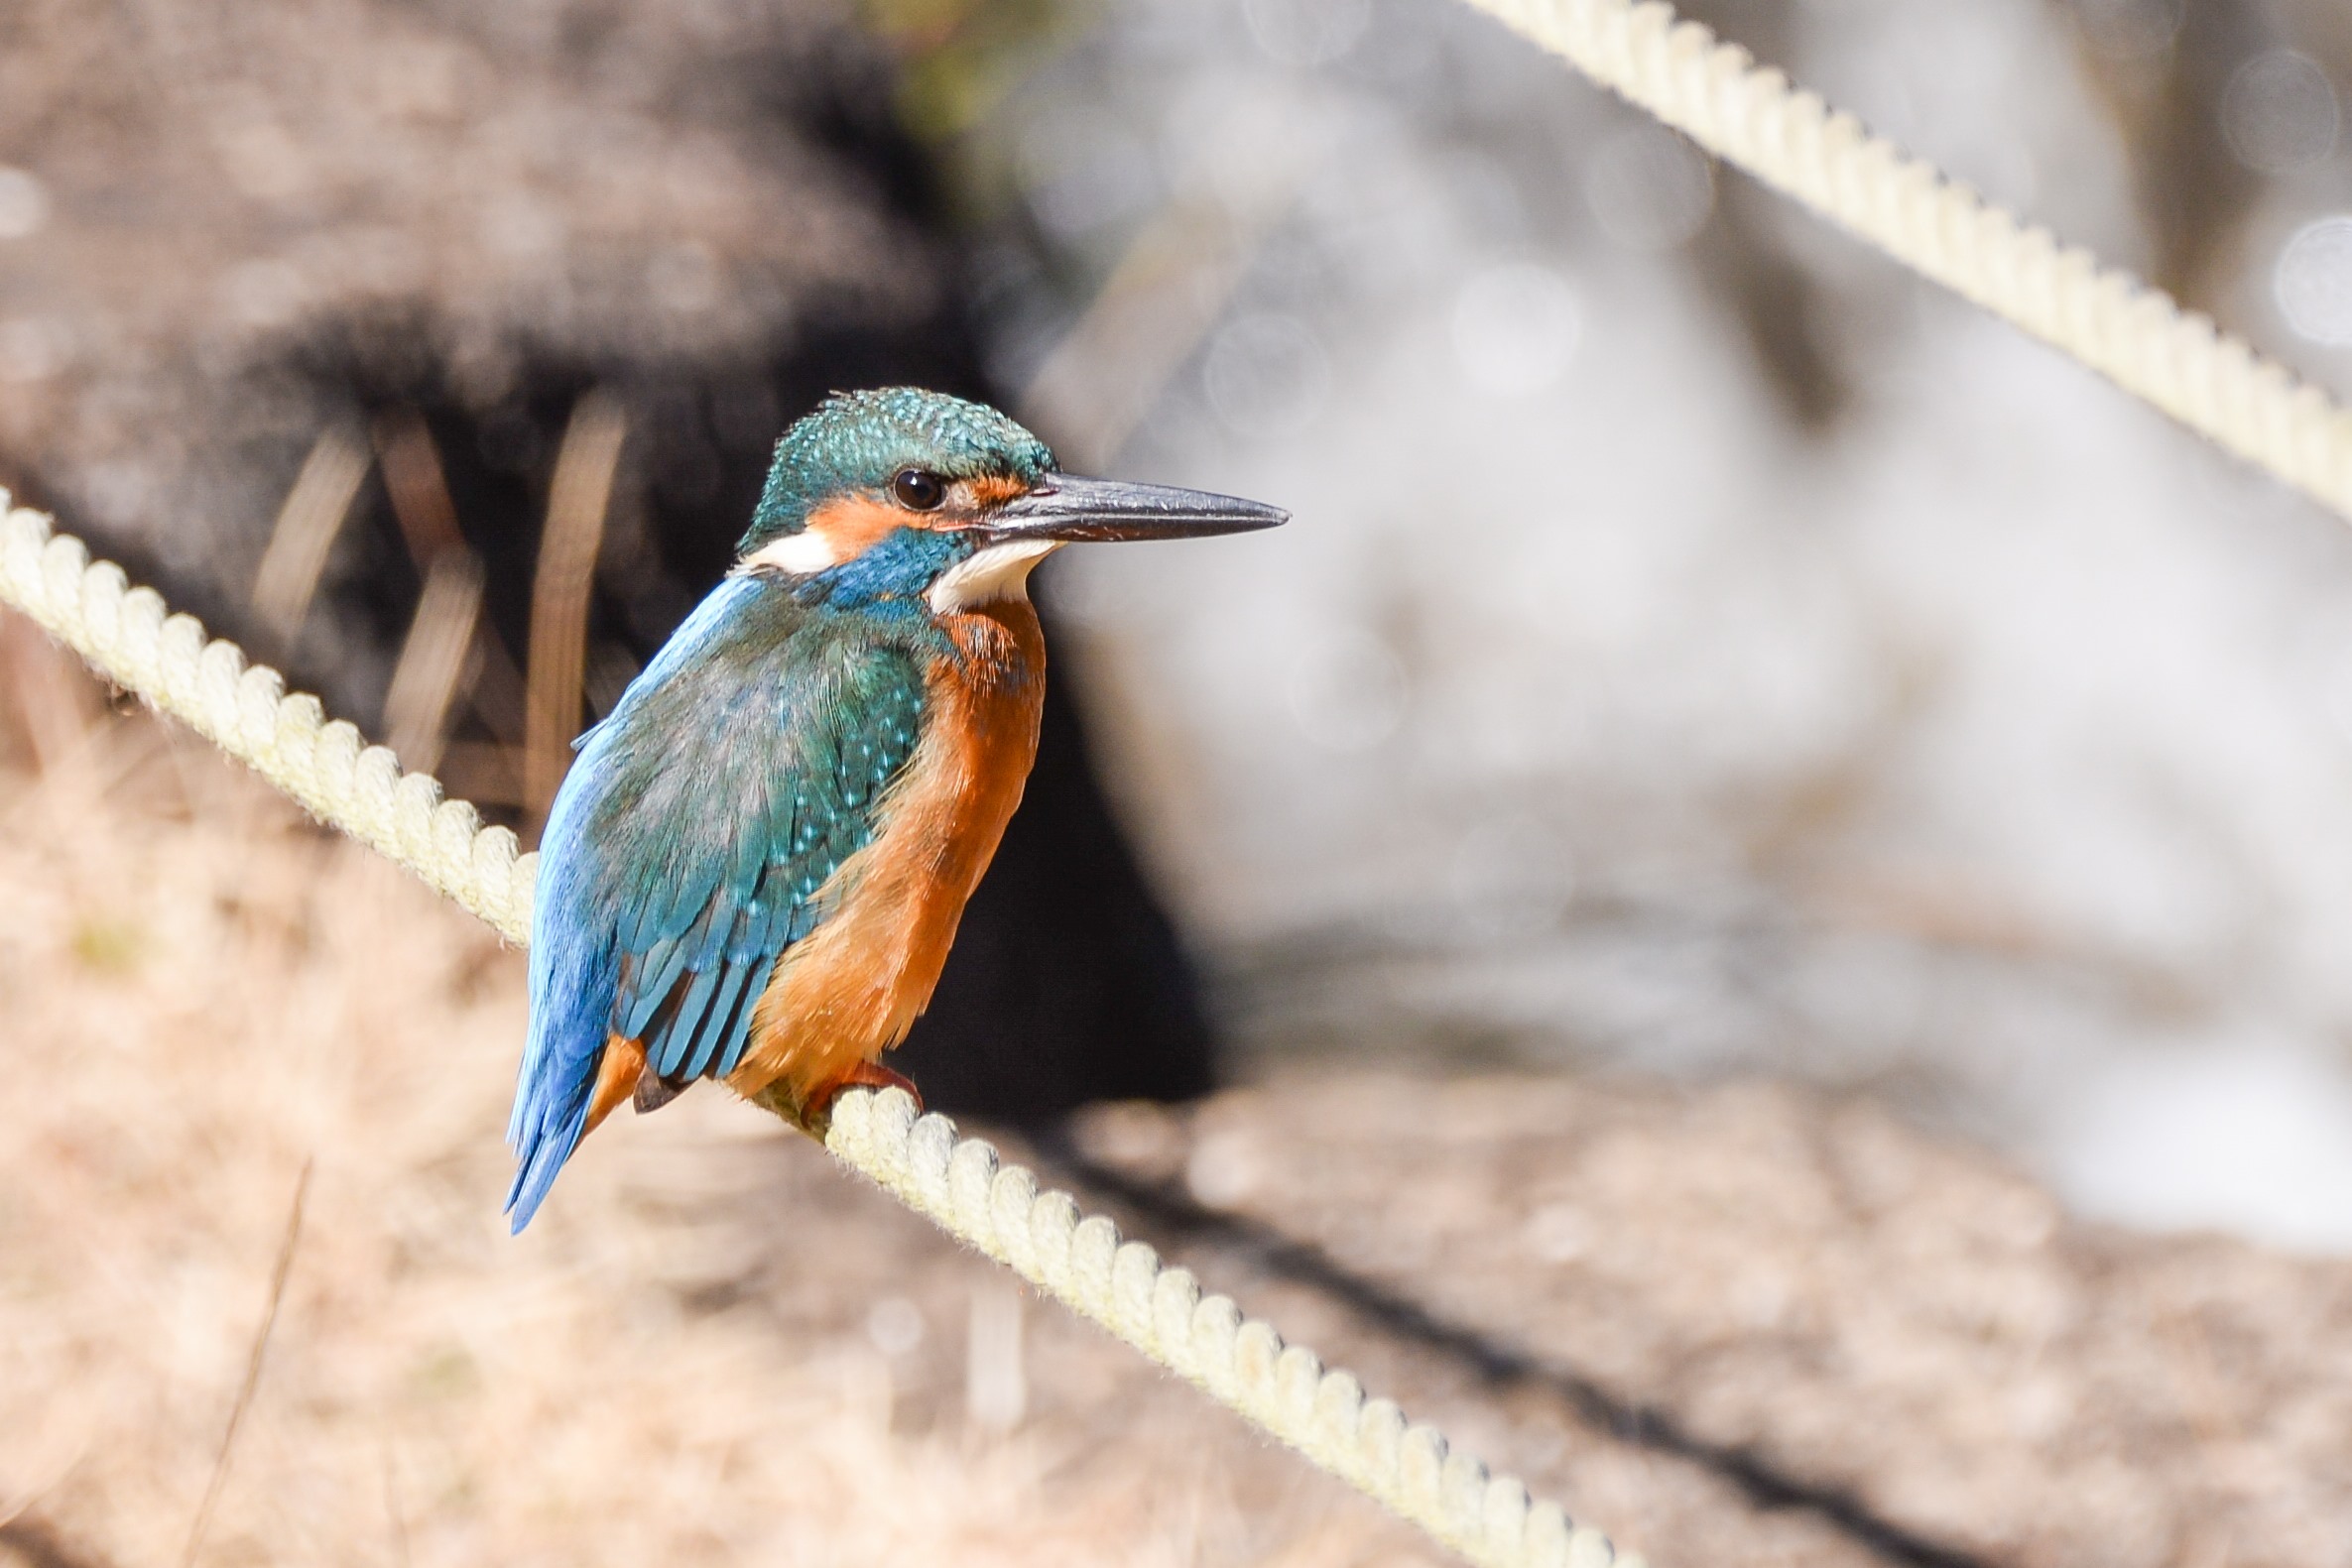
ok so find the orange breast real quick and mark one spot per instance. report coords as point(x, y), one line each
point(854, 988)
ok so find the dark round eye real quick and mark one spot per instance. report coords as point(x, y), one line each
point(916, 490)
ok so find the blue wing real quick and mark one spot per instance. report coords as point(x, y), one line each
point(691, 844)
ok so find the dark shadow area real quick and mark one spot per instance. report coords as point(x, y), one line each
point(1066, 982)
point(32, 1542)
point(1167, 1214)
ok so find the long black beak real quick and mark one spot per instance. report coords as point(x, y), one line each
point(1069, 507)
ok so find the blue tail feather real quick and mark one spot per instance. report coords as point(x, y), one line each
point(718, 1017)
point(667, 1050)
point(539, 1157)
point(573, 978)
point(660, 970)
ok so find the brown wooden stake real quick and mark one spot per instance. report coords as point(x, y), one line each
point(54, 697)
point(304, 532)
point(433, 662)
point(577, 502)
point(418, 489)
point(487, 774)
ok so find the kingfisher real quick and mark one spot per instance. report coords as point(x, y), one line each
point(755, 865)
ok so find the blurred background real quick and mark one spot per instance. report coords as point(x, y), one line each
point(1702, 646)
point(1706, 666)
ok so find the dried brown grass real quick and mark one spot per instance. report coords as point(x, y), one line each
point(1869, 1313)
point(674, 1365)
point(714, 1347)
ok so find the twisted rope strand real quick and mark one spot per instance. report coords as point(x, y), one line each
point(1241, 1362)
point(2134, 334)
point(128, 636)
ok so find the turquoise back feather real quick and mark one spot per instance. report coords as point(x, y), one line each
point(696, 839)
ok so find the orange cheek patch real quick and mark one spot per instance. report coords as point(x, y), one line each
point(852, 524)
point(990, 489)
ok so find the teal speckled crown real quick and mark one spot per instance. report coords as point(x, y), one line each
point(855, 441)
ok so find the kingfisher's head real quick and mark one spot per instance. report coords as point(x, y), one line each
point(911, 495)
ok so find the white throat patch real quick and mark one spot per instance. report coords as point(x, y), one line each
point(1000, 572)
point(798, 555)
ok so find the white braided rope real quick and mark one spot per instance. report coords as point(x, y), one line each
point(2134, 334)
point(128, 636)
point(1241, 1362)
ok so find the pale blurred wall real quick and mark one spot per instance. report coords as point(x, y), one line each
point(1954, 728)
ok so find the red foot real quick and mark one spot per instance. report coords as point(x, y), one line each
point(873, 1075)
